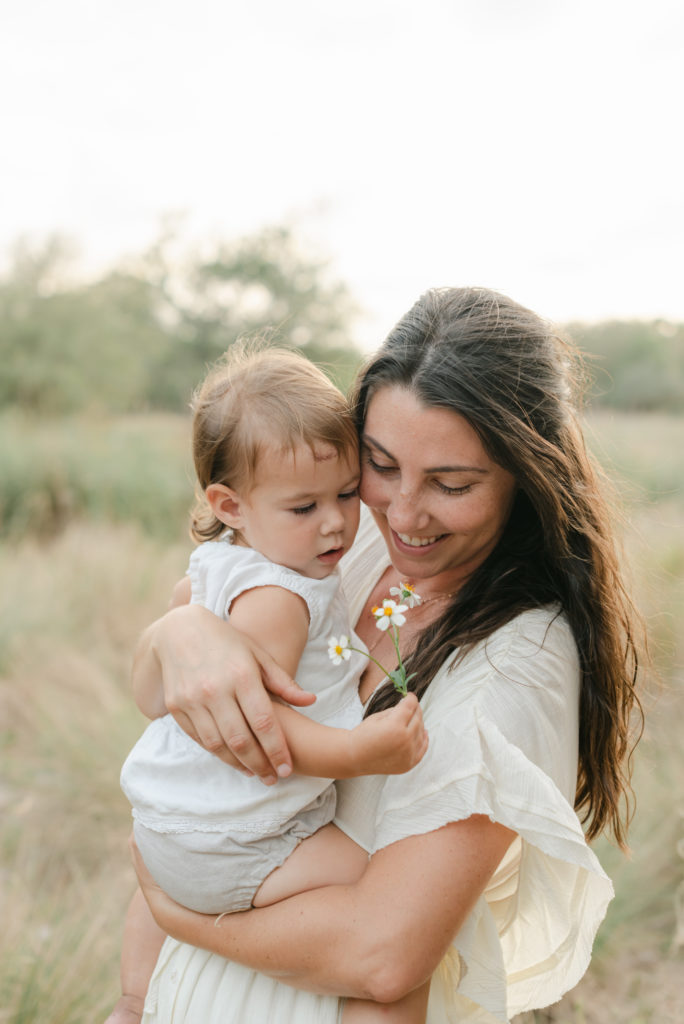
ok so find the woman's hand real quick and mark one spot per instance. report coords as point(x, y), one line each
point(217, 684)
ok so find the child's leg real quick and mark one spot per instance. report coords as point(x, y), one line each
point(142, 940)
point(329, 857)
point(409, 1010)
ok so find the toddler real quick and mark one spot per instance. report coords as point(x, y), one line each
point(276, 456)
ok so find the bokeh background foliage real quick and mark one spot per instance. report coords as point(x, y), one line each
point(95, 485)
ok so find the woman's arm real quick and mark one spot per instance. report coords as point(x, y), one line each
point(216, 683)
point(378, 939)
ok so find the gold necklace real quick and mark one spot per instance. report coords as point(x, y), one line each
point(422, 601)
point(435, 597)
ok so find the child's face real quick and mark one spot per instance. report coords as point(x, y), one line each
point(303, 510)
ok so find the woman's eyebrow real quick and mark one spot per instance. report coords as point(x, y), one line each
point(367, 439)
point(429, 469)
point(455, 469)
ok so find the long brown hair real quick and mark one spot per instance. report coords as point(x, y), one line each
point(516, 381)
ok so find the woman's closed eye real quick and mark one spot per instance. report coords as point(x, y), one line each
point(445, 489)
point(377, 467)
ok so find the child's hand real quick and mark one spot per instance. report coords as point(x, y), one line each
point(390, 742)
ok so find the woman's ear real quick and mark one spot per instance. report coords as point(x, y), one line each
point(226, 505)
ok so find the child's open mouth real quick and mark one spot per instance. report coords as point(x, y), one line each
point(332, 556)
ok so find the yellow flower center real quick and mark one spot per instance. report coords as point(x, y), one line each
point(388, 611)
point(338, 649)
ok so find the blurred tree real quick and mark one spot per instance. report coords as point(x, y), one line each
point(260, 284)
point(636, 365)
point(144, 334)
point(67, 347)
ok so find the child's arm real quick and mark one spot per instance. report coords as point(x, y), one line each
point(388, 743)
point(149, 696)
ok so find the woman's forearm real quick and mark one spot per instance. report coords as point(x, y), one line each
point(377, 939)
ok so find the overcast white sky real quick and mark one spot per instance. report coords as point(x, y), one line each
point(534, 146)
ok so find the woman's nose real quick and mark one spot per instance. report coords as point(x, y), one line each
point(405, 513)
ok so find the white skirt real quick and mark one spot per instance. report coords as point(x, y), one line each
point(192, 986)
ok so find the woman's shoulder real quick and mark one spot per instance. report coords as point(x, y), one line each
point(524, 674)
point(536, 631)
point(537, 635)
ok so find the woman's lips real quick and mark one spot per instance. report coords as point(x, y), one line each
point(410, 543)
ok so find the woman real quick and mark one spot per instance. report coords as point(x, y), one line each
point(483, 497)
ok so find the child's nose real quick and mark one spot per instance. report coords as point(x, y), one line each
point(334, 521)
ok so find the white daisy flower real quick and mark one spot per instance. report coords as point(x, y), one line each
point(339, 649)
point(390, 614)
point(406, 593)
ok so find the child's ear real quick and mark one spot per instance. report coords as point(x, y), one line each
point(226, 505)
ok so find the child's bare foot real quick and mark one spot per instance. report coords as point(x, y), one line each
point(128, 1010)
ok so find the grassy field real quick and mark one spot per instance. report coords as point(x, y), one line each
point(92, 539)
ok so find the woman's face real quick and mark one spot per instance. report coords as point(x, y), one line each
point(437, 497)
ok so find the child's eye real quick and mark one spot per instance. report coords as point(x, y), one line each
point(303, 509)
point(347, 495)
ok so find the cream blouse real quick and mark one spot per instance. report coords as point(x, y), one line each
point(503, 727)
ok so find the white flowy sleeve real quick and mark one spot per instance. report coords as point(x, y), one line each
point(503, 727)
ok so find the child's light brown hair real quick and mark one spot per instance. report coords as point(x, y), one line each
point(254, 398)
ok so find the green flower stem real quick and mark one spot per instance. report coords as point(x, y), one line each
point(370, 658)
point(395, 640)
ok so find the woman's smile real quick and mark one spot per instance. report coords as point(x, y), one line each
point(417, 542)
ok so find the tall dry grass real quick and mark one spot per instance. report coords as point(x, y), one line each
point(71, 611)
point(129, 469)
point(71, 607)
